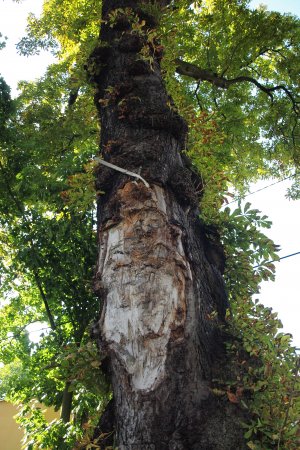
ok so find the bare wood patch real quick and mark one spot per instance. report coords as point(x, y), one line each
point(145, 271)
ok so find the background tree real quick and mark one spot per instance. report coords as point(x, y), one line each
point(235, 67)
point(48, 250)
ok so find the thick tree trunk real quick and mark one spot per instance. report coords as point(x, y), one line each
point(158, 276)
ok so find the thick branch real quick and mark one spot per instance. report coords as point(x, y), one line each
point(190, 70)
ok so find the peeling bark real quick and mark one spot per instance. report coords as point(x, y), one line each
point(142, 260)
point(158, 276)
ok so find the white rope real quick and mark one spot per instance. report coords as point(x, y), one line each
point(119, 169)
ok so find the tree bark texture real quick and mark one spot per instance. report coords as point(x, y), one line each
point(66, 407)
point(158, 276)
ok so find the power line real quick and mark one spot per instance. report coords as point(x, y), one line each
point(283, 257)
point(261, 189)
point(288, 256)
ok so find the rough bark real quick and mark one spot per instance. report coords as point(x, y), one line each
point(158, 276)
point(66, 407)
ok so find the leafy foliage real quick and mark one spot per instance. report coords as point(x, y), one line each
point(48, 250)
point(257, 132)
point(267, 379)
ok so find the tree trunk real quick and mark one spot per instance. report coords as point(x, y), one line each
point(66, 407)
point(158, 276)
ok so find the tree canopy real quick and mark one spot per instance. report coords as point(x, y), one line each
point(232, 72)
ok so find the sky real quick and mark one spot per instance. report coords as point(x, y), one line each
point(283, 294)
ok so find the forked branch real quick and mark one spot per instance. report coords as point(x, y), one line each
point(193, 71)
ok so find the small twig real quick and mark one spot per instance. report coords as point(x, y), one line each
point(197, 96)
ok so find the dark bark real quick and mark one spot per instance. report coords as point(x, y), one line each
point(66, 407)
point(158, 275)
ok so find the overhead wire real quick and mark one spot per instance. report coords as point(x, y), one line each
point(282, 257)
point(261, 189)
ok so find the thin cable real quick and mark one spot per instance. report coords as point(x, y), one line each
point(261, 189)
point(288, 256)
point(283, 257)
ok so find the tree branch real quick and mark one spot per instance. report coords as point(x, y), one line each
point(190, 70)
point(33, 251)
